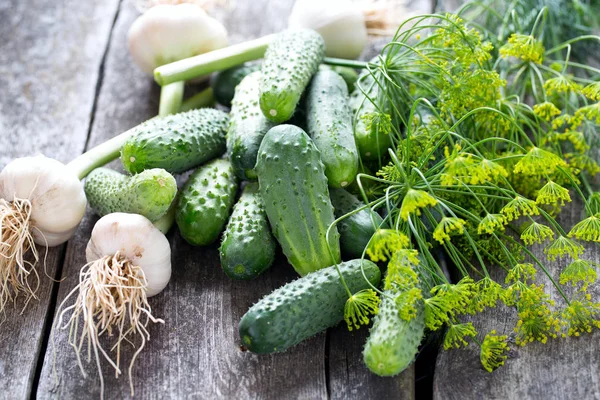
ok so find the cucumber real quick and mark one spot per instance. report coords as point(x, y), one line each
point(304, 307)
point(348, 74)
point(329, 123)
point(248, 248)
point(290, 61)
point(149, 193)
point(247, 128)
point(357, 229)
point(294, 189)
point(225, 82)
point(177, 142)
point(393, 342)
point(205, 202)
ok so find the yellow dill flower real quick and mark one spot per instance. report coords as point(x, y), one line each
point(414, 201)
point(552, 193)
point(407, 303)
point(588, 229)
point(561, 84)
point(519, 206)
point(458, 295)
point(593, 203)
point(488, 170)
point(563, 246)
point(487, 292)
point(400, 272)
point(521, 272)
point(524, 47)
point(581, 316)
point(384, 243)
point(457, 168)
point(576, 138)
point(493, 351)
point(583, 162)
point(491, 223)
point(448, 226)
point(591, 112)
point(359, 307)
point(592, 91)
point(538, 162)
point(536, 233)
point(456, 334)
point(377, 122)
point(572, 121)
point(437, 311)
point(579, 271)
point(546, 110)
point(536, 319)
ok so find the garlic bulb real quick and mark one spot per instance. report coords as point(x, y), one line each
point(340, 22)
point(168, 33)
point(55, 194)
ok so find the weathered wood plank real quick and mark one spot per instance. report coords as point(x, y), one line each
point(50, 57)
point(561, 369)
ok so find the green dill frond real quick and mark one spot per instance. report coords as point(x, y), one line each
point(524, 47)
point(579, 271)
point(521, 272)
point(588, 230)
point(384, 243)
point(581, 316)
point(563, 246)
point(536, 233)
point(546, 110)
point(536, 319)
point(562, 84)
point(493, 351)
point(491, 223)
point(456, 335)
point(538, 162)
point(448, 226)
point(413, 201)
point(592, 91)
point(553, 194)
point(519, 206)
point(593, 203)
point(359, 307)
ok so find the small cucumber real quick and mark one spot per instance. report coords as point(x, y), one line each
point(348, 74)
point(225, 82)
point(290, 61)
point(294, 189)
point(248, 248)
point(148, 193)
point(176, 142)
point(247, 128)
point(205, 202)
point(357, 229)
point(329, 123)
point(393, 341)
point(304, 307)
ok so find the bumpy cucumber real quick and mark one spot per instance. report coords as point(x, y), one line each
point(348, 74)
point(393, 342)
point(294, 188)
point(329, 123)
point(357, 229)
point(290, 61)
point(225, 82)
point(205, 202)
point(304, 307)
point(149, 193)
point(247, 128)
point(248, 248)
point(177, 142)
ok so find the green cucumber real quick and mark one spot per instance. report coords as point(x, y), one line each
point(149, 193)
point(176, 142)
point(357, 229)
point(348, 74)
point(304, 307)
point(205, 202)
point(393, 341)
point(290, 61)
point(294, 188)
point(247, 128)
point(248, 248)
point(329, 123)
point(225, 82)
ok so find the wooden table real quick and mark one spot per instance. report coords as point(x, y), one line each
point(67, 83)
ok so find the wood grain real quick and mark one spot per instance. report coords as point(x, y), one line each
point(49, 63)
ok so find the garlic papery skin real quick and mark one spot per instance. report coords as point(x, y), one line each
point(168, 33)
point(138, 241)
point(56, 195)
point(340, 22)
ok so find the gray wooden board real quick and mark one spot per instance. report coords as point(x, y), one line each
point(50, 57)
point(565, 368)
point(196, 354)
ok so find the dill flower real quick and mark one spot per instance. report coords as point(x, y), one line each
point(519, 206)
point(592, 91)
point(400, 273)
point(591, 112)
point(494, 351)
point(581, 316)
point(593, 203)
point(487, 292)
point(561, 84)
point(448, 226)
point(536, 319)
point(576, 138)
point(538, 161)
point(588, 229)
point(488, 170)
point(552, 193)
point(524, 47)
point(437, 311)
point(457, 168)
point(456, 334)
point(491, 223)
point(583, 162)
point(359, 306)
point(536, 233)
point(378, 122)
point(563, 246)
point(407, 303)
point(521, 272)
point(384, 243)
point(579, 271)
point(459, 295)
point(546, 110)
point(413, 201)
point(573, 121)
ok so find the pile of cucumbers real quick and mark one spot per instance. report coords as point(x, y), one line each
point(290, 143)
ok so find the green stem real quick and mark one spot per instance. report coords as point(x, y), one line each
point(217, 60)
point(171, 96)
point(342, 62)
point(205, 98)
